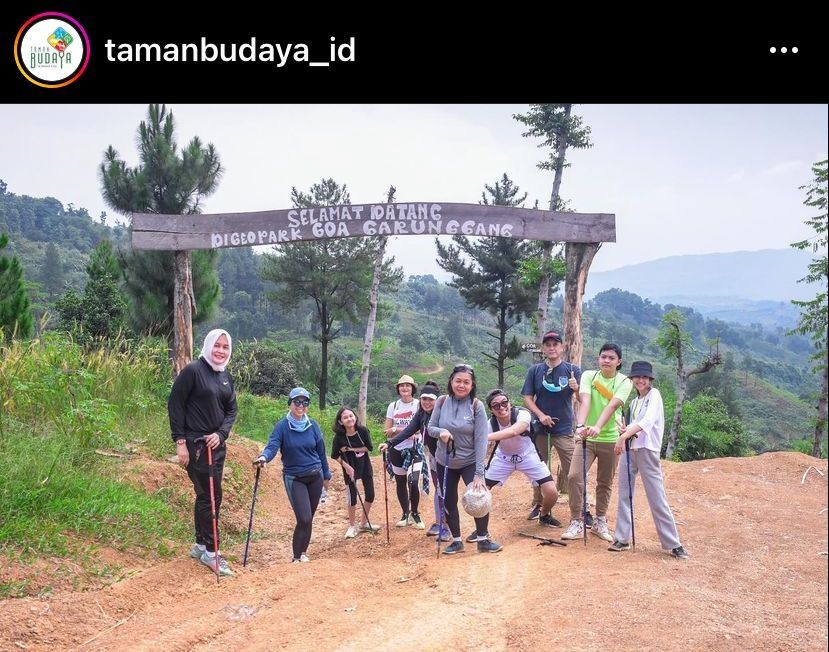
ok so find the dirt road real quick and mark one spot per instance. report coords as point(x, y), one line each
point(756, 580)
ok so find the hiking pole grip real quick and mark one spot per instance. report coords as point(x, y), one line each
point(250, 522)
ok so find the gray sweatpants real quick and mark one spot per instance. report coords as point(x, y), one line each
point(646, 463)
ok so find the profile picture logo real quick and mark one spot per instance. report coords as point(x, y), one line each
point(51, 49)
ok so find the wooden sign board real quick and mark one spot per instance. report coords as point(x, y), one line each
point(182, 232)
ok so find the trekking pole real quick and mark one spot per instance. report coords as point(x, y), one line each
point(386, 495)
point(250, 522)
point(630, 494)
point(351, 481)
point(443, 511)
point(545, 541)
point(213, 506)
point(584, 482)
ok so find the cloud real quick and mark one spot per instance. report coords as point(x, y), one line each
point(783, 168)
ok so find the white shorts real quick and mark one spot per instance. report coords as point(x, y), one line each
point(503, 466)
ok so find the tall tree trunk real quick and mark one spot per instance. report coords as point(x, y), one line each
point(368, 340)
point(183, 309)
point(502, 346)
point(544, 287)
point(578, 256)
point(821, 416)
point(325, 328)
point(681, 393)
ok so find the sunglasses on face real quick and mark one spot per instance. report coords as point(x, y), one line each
point(499, 405)
point(301, 402)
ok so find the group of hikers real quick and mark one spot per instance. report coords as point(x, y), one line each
point(440, 438)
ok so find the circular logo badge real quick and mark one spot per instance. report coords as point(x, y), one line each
point(51, 50)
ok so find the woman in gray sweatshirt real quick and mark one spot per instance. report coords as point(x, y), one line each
point(459, 423)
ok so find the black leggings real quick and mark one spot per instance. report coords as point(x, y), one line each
point(362, 471)
point(404, 494)
point(451, 502)
point(304, 495)
point(200, 477)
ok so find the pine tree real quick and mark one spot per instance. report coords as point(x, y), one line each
point(487, 275)
point(15, 312)
point(52, 272)
point(335, 274)
point(167, 181)
point(560, 131)
point(814, 314)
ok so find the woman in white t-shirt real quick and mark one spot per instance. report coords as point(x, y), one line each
point(640, 457)
point(406, 457)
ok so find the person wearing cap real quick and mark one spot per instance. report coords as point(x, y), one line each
point(548, 393)
point(406, 458)
point(420, 424)
point(304, 465)
point(645, 428)
point(603, 395)
point(515, 451)
point(202, 408)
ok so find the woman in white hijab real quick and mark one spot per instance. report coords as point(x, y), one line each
point(202, 409)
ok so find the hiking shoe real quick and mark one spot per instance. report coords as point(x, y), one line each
point(680, 553)
point(197, 550)
point(618, 546)
point(304, 558)
point(454, 547)
point(433, 530)
point(600, 528)
point(575, 531)
point(414, 519)
point(403, 522)
point(351, 532)
point(472, 538)
point(209, 560)
point(588, 519)
point(534, 513)
point(488, 545)
point(446, 537)
point(549, 520)
point(369, 527)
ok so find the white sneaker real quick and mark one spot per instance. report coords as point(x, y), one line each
point(369, 528)
point(575, 531)
point(600, 528)
point(209, 560)
point(403, 522)
point(197, 550)
point(303, 557)
point(351, 532)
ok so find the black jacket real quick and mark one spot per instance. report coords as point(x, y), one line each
point(201, 402)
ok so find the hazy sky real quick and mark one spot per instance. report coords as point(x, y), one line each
point(681, 179)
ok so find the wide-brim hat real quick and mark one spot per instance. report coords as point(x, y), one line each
point(641, 368)
point(407, 379)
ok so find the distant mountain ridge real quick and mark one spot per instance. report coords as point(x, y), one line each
point(768, 274)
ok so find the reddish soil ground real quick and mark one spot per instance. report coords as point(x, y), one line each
point(756, 579)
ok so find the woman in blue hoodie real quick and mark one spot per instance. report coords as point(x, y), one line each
point(304, 465)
